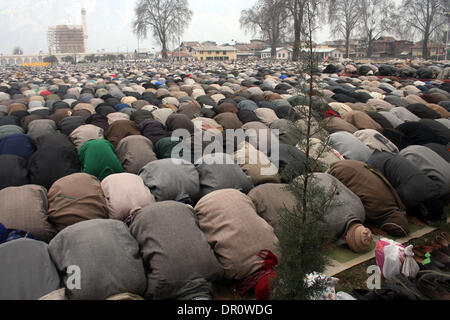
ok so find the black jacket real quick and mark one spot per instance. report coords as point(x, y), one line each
point(13, 171)
point(413, 187)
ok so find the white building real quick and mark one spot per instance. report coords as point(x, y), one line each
point(282, 53)
point(321, 53)
point(326, 52)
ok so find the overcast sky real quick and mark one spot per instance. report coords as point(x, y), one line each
point(24, 23)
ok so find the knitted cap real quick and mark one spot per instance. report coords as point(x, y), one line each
point(359, 238)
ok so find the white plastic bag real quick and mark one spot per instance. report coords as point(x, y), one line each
point(344, 296)
point(410, 267)
point(394, 256)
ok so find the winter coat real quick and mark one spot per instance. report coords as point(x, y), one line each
point(235, 232)
point(176, 253)
point(384, 208)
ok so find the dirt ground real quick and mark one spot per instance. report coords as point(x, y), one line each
point(356, 277)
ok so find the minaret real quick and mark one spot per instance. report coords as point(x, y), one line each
point(85, 33)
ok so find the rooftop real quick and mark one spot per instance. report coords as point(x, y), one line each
point(278, 49)
point(214, 48)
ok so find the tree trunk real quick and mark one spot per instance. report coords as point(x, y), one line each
point(297, 40)
point(425, 47)
point(164, 51)
point(273, 52)
point(347, 47)
point(370, 48)
point(298, 22)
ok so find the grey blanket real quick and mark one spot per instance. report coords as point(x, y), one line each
point(431, 164)
point(349, 146)
point(412, 185)
point(171, 179)
point(107, 255)
point(26, 270)
point(217, 176)
point(179, 260)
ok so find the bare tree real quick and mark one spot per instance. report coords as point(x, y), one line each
point(401, 30)
point(51, 59)
point(68, 59)
point(377, 17)
point(166, 19)
point(424, 17)
point(343, 17)
point(269, 18)
point(17, 51)
point(297, 10)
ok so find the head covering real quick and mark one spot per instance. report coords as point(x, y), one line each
point(349, 146)
point(69, 124)
point(117, 116)
point(362, 121)
point(99, 121)
point(99, 159)
point(25, 208)
point(41, 127)
point(154, 130)
point(85, 133)
point(180, 121)
point(7, 130)
point(229, 121)
point(171, 179)
point(140, 116)
point(263, 171)
point(135, 152)
point(121, 129)
point(76, 198)
point(374, 140)
point(13, 171)
point(359, 238)
point(422, 111)
point(165, 146)
point(83, 113)
point(227, 107)
point(125, 194)
point(431, 164)
point(404, 114)
point(17, 144)
point(335, 124)
point(60, 114)
point(418, 133)
point(266, 116)
point(161, 115)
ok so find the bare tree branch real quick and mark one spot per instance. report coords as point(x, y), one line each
point(424, 17)
point(343, 16)
point(166, 19)
point(269, 19)
point(377, 17)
